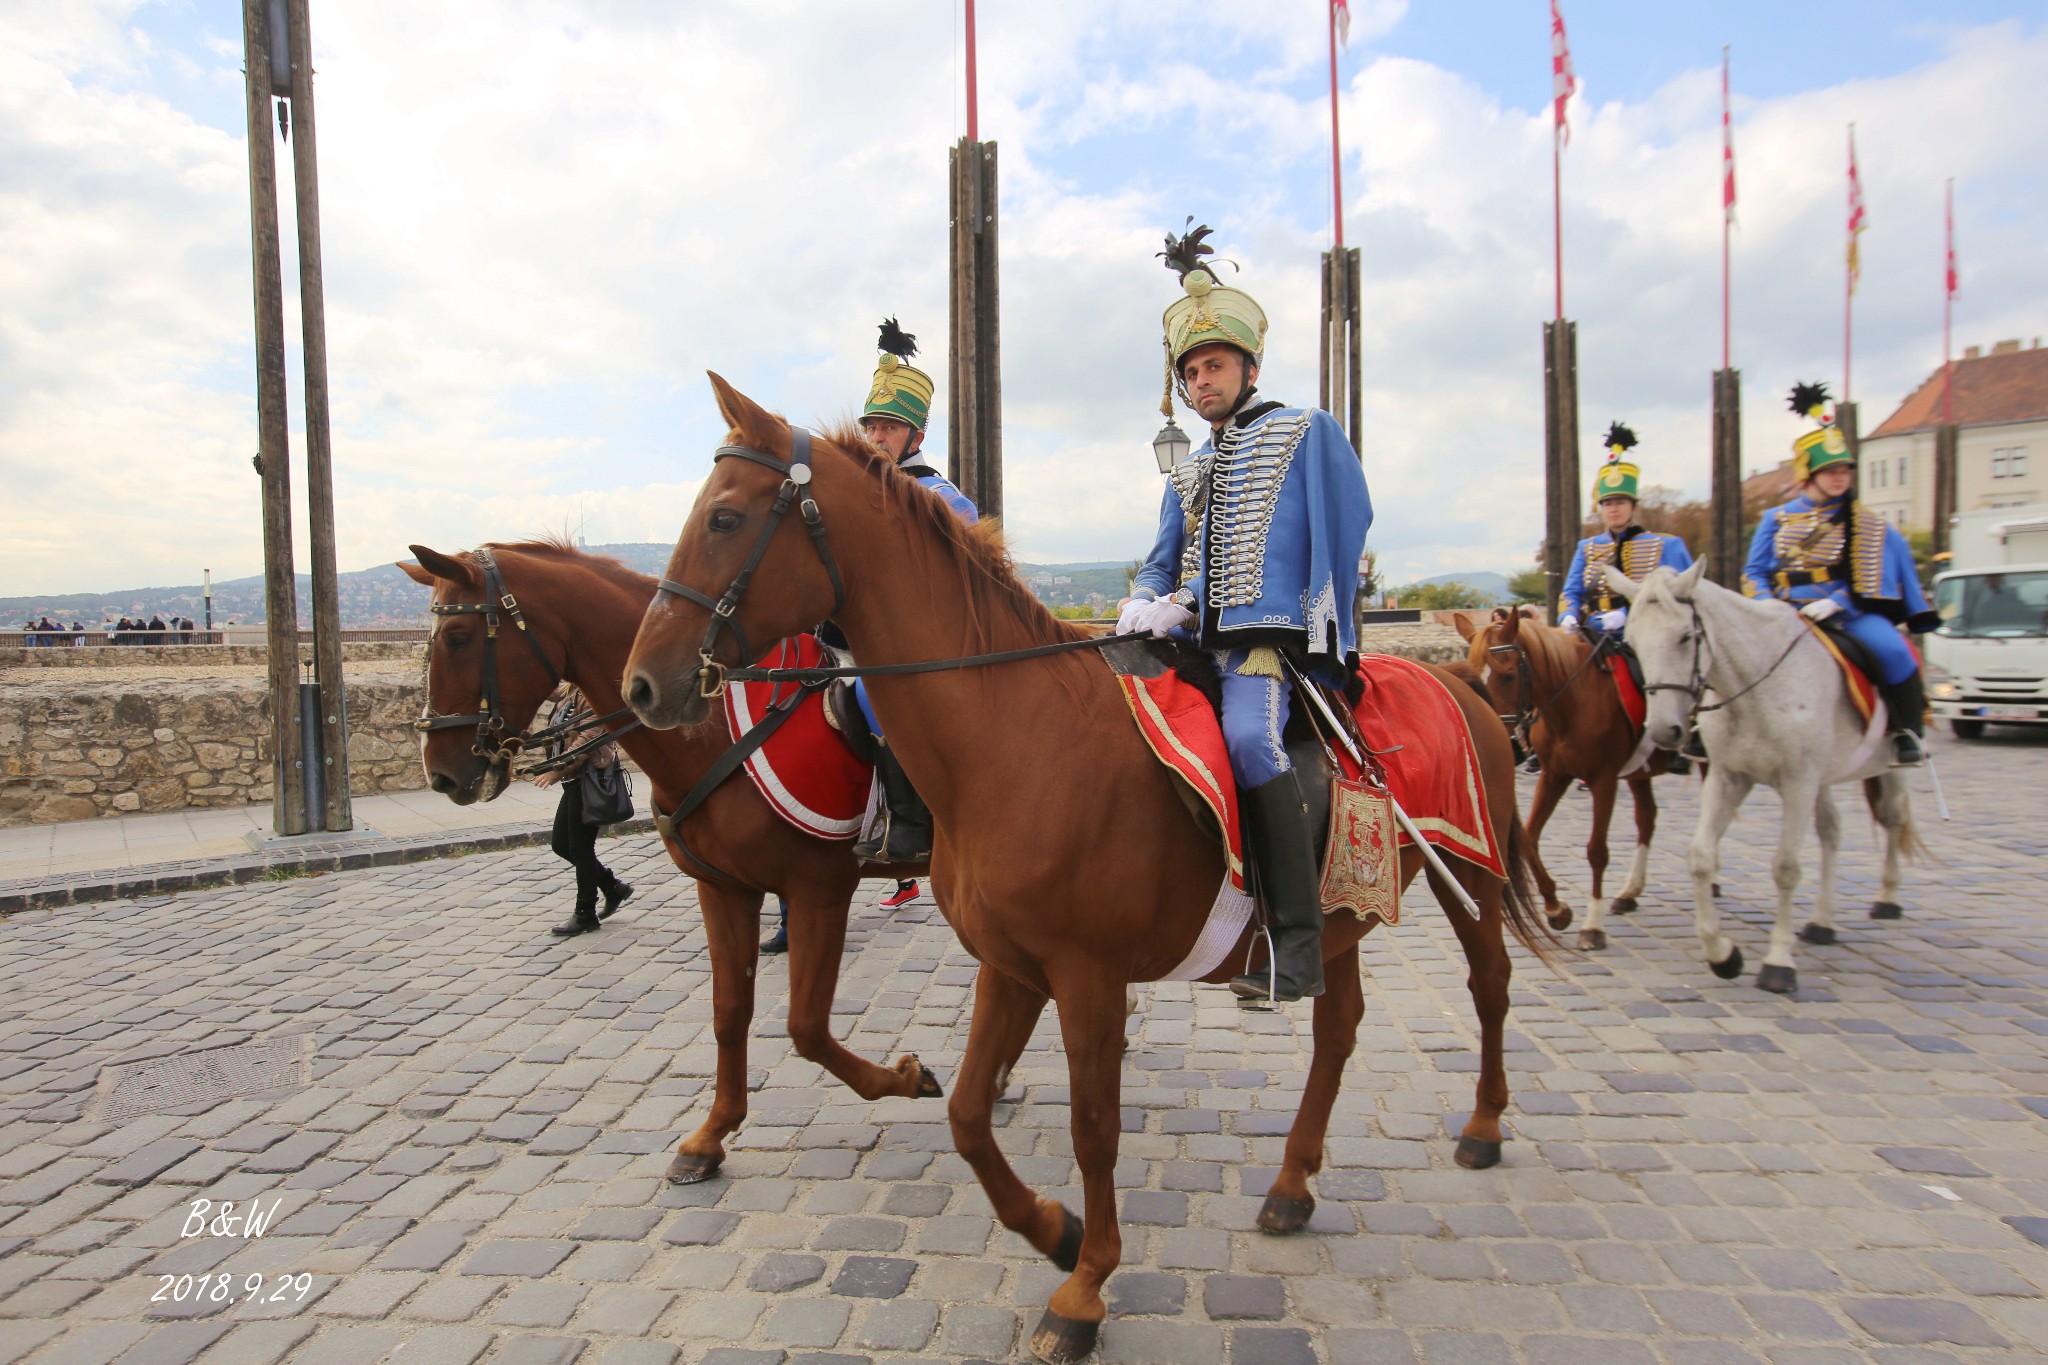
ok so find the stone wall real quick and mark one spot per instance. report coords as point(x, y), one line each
point(72, 748)
point(1427, 642)
point(171, 657)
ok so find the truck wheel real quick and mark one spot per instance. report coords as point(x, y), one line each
point(1967, 729)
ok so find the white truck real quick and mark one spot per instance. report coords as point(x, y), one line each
point(1987, 663)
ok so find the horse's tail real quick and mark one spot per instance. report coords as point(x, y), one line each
point(1518, 897)
point(1911, 846)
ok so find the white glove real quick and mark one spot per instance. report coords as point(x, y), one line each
point(1611, 621)
point(1820, 609)
point(1568, 623)
point(1126, 620)
point(1160, 617)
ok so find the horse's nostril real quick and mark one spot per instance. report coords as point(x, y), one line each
point(640, 692)
point(441, 783)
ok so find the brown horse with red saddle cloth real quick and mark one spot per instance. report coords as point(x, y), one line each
point(1069, 859)
point(573, 616)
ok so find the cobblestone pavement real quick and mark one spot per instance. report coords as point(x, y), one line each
point(1702, 1173)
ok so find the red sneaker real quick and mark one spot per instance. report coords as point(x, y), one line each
point(903, 895)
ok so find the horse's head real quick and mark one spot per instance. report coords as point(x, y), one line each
point(1495, 654)
point(1665, 631)
point(746, 570)
point(481, 689)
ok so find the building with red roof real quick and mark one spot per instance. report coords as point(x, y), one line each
point(2000, 407)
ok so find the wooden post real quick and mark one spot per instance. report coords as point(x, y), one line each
point(337, 814)
point(280, 604)
point(1340, 361)
point(974, 412)
point(1726, 548)
point(1945, 495)
point(1562, 496)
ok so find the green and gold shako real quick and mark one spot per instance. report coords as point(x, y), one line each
point(1206, 311)
point(1816, 450)
point(900, 389)
point(1617, 478)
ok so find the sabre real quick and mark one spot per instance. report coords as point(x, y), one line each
point(1939, 798)
point(1330, 724)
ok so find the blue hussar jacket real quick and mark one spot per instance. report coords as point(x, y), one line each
point(1265, 527)
point(927, 477)
point(1641, 551)
point(1805, 550)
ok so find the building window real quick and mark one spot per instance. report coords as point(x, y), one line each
point(1902, 471)
point(2009, 463)
point(1877, 475)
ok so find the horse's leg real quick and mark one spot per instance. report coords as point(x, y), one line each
point(1827, 825)
point(1721, 795)
point(1488, 969)
point(1802, 800)
point(1644, 798)
point(1091, 1026)
point(1594, 935)
point(1894, 810)
point(1338, 1010)
point(1550, 789)
point(1005, 1011)
point(732, 927)
point(815, 945)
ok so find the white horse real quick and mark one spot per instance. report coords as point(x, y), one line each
point(1772, 709)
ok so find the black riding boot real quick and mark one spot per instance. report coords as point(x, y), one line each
point(585, 918)
point(906, 835)
point(1907, 703)
point(615, 892)
point(1283, 850)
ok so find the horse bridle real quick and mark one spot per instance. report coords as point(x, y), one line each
point(795, 490)
point(1524, 716)
point(1697, 687)
point(496, 742)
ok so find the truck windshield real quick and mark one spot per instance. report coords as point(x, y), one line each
point(1991, 605)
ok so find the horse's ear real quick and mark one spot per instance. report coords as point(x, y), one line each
point(1620, 583)
point(1690, 579)
point(417, 574)
point(742, 414)
point(445, 567)
point(1464, 625)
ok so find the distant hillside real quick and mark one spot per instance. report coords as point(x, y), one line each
point(1492, 585)
point(384, 596)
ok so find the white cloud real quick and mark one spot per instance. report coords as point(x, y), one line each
point(544, 220)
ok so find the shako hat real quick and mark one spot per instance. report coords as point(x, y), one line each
point(900, 389)
point(1617, 478)
point(1206, 311)
point(1816, 450)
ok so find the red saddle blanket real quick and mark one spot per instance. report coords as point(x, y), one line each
point(1433, 770)
point(1633, 704)
point(1862, 691)
point(805, 772)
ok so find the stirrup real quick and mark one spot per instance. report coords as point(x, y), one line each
point(1252, 1003)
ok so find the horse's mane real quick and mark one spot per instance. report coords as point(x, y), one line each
point(559, 547)
point(974, 553)
point(1551, 651)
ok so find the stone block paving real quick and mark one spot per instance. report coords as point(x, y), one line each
point(1700, 1172)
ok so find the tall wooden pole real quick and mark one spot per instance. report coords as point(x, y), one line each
point(1342, 366)
point(1726, 547)
point(337, 813)
point(974, 413)
point(288, 792)
point(1562, 517)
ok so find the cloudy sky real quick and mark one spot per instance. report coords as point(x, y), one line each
point(545, 219)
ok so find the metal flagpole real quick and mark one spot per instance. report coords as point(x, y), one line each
point(1336, 157)
point(1727, 198)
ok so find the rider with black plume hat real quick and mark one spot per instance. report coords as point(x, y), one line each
point(1585, 600)
point(1842, 564)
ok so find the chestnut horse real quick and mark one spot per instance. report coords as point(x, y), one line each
point(1065, 859)
point(1544, 682)
point(580, 612)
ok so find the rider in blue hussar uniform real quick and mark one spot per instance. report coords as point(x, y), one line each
point(1839, 562)
point(1585, 602)
point(1260, 533)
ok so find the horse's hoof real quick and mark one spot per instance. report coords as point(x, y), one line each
point(1777, 980)
point(1560, 918)
point(928, 1087)
point(1729, 969)
point(1279, 1214)
point(1067, 1254)
point(1477, 1154)
point(1061, 1341)
point(1818, 933)
point(1592, 940)
point(1886, 910)
point(1624, 905)
point(688, 1168)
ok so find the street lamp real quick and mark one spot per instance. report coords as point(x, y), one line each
point(1170, 446)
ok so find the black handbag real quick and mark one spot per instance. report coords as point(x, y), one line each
point(607, 794)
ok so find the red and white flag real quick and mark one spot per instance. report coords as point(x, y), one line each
point(1951, 280)
point(1340, 14)
point(1857, 216)
point(1562, 81)
point(1727, 147)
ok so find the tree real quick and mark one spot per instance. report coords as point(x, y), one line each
point(1530, 585)
point(1440, 596)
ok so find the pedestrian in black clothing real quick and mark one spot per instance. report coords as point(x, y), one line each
point(575, 838)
